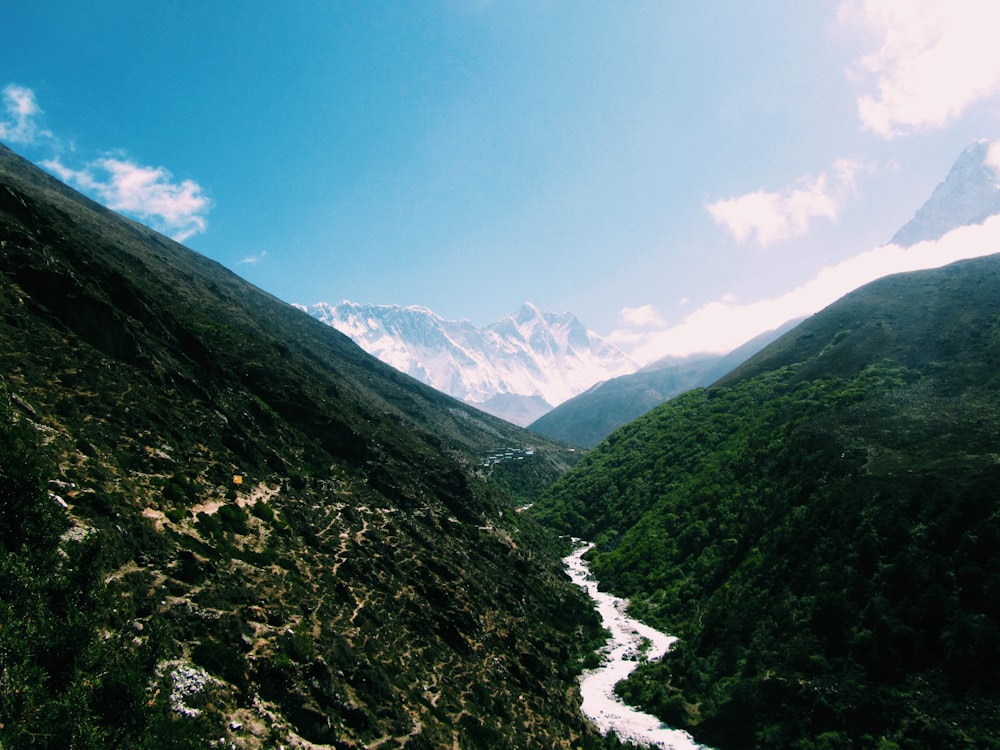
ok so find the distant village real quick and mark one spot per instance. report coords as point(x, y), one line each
point(509, 454)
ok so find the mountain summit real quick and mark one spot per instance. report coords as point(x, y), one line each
point(969, 195)
point(517, 368)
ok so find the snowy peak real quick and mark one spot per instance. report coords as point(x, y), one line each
point(557, 335)
point(517, 368)
point(969, 195)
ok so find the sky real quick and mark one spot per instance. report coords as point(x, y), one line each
point(680, 175)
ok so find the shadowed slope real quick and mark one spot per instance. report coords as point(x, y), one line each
point(284, 540)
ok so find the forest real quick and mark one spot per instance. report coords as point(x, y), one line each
point(820, 534)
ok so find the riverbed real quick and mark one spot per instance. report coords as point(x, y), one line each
point(630, 641)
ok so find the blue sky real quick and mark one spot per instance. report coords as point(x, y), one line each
point(664, 170)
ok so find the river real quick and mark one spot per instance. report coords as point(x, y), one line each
point(629, 641)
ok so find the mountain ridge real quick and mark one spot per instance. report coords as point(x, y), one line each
point(587, 419)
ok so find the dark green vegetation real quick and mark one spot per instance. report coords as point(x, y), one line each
point(587, 419)
point(363, 583)
point(820, 528)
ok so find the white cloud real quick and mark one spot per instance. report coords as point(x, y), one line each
point(723, 325)
point(639, 324)
point(935, 59)
point(252, 260)
point(646, 315)
point(993, 157)
point(769, 217)
point(149, 194)
point(20, 124)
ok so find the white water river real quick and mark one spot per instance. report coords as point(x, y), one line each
point(630, 639)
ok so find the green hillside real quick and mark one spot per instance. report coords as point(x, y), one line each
point(222, 522)
point(588, 418)
point(820, 528)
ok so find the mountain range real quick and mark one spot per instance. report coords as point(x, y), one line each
point(223, 523)
point(550, 373)
point(517, 368)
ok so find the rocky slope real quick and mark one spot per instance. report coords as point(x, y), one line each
point(220, 518)
point(969, 194)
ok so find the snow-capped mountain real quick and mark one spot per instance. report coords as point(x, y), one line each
point(517, 368)
point(969, 195)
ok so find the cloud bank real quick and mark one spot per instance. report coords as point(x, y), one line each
point(935, 59)
point(646, 315)
point(723, 325)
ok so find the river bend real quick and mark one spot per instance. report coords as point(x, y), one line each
point(629, 641)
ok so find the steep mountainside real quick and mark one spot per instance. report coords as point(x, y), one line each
point(820, 527)
point(220, 518)
point(587, 419)
point(969, 195)
point(516, 368)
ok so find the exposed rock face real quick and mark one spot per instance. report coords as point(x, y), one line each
point(969, 194)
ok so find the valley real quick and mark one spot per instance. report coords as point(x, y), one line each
point(815, 526)
point(221, 518)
